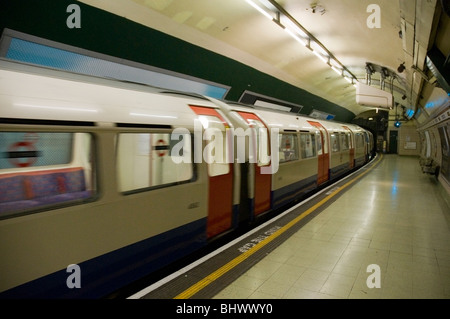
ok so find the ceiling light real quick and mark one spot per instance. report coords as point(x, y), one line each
point(299, 39)
point(273, 11)
point(320, 56)
point(292, 26)
point(317, 48)
point(335, 63)
point(261, 10)
point(335, 69)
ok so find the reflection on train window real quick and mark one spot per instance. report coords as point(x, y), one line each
point(445, 143)
point(335, 142)
point(149, 160)
point(44, 170)
point(445, 149)
point(288, 147)
point(423, 144)
point(434, 145)
point(344, 141)
point(428, 142)
point(308, 145)
point(216, 150)
point(319, 143)
point(262, 142)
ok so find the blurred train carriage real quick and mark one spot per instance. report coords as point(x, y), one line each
point(107, 176)
point(435, 142)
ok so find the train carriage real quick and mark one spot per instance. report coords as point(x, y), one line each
point(117, 140)
point(435, 141)
point(296, 170)
point(119, 180)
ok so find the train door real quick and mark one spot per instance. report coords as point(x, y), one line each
point(323, 153)
point(220, 171)
point(263, 182)
point(428, 144)
point(367, 147)
point(445, 149)
point(351, 146)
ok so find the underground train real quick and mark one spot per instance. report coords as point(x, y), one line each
point(435, 146)
point(104, 182)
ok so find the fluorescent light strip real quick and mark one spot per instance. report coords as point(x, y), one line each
point(262, 11)
point(336, 64)
point(296, 37)
point(317, 48)
point(292, 26)
point(335, 69)
point(320, 56)
point(304, 39)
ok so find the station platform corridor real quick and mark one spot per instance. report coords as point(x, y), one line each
point(387, 237)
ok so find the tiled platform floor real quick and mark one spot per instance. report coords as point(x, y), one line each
point(392, 218)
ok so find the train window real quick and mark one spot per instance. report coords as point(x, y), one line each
point(344, 141)
point(288, 147)
point(445, 149)
point(428, 144)
point(350, 140)
point(434, 145)
point(262, 141)
point(148, 160)
point(319, 143)
point(422, 143)
point(216, 150)
point(359, 140)
point(334, 142)
point(308, 145)
point(44, 170)
point(445, 143)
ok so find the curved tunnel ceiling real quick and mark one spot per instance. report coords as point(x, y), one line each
point(348, 29)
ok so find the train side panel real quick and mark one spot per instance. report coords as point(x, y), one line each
point(139, 211)
point(123, 222)
point(94, 182)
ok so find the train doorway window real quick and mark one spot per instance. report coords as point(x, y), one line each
point(334, 137)
point(428, 143)
point(262, 142)
point(45, 170)
point(445, 149)
point(148, 160)
point(344, 141)
point(308, 145)
point(288, 148)
point(217, 149)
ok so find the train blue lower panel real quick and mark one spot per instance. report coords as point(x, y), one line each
point(360, 161)
point(338, 171)
point(107, 273)
point(287, 194)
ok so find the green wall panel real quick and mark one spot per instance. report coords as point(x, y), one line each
point(116, 36)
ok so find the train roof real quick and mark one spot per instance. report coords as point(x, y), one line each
point(288, 121)
point(28, 92)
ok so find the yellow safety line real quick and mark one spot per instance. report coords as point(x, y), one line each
point(236, 261)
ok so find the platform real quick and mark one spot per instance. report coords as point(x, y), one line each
point(382, 233)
